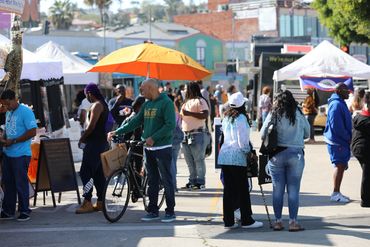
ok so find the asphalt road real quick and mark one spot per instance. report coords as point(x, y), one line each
point(199, 216)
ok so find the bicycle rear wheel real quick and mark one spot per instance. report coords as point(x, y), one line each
point(146, 197)
point(116, 195)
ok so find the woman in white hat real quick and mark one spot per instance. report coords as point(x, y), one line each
point(232, 158)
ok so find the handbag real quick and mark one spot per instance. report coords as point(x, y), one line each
point(269, 144)
point(209, 144)
point(113, 159)
point(252, 163)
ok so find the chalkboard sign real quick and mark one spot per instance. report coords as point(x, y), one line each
point(217, 147)
point(56, 171)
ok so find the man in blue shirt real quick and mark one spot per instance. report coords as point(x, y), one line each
point(338, 135)
point(20, 128)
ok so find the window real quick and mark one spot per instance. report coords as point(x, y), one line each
point(201, 47)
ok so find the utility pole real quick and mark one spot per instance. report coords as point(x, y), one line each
point(150, 23)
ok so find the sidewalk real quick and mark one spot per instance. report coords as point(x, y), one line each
point(199, 216)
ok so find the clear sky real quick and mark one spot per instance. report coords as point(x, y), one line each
point(45, 4)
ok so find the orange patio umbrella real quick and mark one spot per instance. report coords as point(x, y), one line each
point(152, 61)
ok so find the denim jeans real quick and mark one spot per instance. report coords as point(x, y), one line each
point(91, 167)
point(15, 181)
point(175, 154)
point(158, 165)
point(194, 154)
point(264, 115)
point(286, 170)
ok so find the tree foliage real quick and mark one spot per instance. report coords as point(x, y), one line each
point(62, 13)
point(156, 11)
point(173, 7)
point(101, 4)
point(347, 20)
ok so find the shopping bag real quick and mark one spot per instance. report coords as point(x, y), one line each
point(113, 159)
point(263, 171)
point(32, 168)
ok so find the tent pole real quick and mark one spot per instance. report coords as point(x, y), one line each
point(148, 71)
point(275, 87)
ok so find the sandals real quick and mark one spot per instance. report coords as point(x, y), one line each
point(278, 226)
point(294, 227)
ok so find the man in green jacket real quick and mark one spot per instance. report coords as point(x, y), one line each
point(157, 115)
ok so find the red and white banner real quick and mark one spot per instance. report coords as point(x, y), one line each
point(12, 6)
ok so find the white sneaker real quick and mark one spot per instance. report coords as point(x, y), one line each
point(256, 224)
point(345, 196)
point(232, 227)
point(338, 197)
point(237, 214)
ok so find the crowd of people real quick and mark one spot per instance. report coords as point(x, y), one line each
point(170, 120)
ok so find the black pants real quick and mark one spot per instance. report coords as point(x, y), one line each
point(91, 167)
point(236, 195)
point(365, 184)
point(311, 121)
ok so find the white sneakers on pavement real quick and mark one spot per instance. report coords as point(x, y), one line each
point(232, 227)
point(256, 224)
point(339, 197)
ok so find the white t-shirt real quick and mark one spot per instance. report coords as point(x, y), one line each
point(193, 105)
point(85, 105)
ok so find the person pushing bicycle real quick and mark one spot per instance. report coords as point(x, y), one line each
point(157, 115)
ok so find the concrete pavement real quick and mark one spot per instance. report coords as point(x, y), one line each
point(199, 216)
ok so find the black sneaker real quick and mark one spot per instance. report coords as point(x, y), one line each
point(198, 187)
point(4, 216)
point(23, 217)
point(188, 186)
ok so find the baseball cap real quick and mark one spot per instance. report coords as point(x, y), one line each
point(236, 100)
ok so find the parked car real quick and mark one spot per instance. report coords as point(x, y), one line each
point(320, 120)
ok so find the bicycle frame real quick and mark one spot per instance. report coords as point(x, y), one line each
point(128, 167)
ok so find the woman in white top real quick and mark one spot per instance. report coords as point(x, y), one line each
point(194, 113)
point(232, 158)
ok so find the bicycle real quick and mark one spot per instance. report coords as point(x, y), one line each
point(123, 183)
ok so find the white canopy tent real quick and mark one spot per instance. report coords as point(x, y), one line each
point(35, 67)
point(74, 68)
point(326, 60)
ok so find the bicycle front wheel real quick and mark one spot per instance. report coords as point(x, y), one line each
point(116, 195)
point(161, 196)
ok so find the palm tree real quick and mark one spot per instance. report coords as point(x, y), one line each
point(172, 8)
point(62, 14)
point(101, 4)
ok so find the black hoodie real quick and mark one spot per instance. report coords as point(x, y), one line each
point(361, 138)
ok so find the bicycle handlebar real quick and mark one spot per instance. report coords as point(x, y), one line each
point(131, 143)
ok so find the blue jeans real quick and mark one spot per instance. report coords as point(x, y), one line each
point(264, 115)
point(286, 170)
point(158, 165)
point(175, 154)
point(91, 167)
point(194, 154)
point(15, 181)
